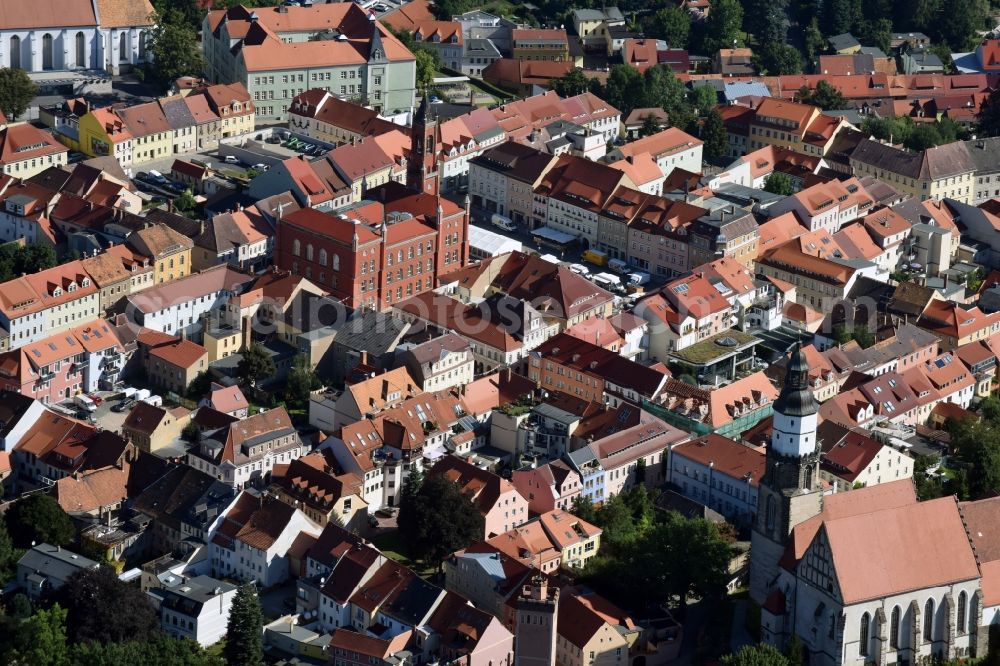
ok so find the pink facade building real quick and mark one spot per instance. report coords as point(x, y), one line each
point(554, 485)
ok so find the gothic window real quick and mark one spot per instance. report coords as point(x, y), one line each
point(769, 514)
point(47, 51)
point(863, 638)
point(296, 247)
point(894, 628)
point(322, 257)
point(15, 52)
point(963, 601)
point(122, 48)
point(309, 252)
point(142, 47)
point(929, 620)
point(81, 50)
point(336, 262)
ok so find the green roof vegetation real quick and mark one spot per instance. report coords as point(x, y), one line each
point(707, 351)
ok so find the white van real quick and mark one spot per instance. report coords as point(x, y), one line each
point(618, 266)
point(503, 222)
point(85, 403)
point(638, 278)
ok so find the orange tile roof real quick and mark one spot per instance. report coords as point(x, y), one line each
point(724, 455)
point(25, 142)
point(47, 14)
point(180, 354)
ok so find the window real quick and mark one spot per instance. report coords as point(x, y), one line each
point(929, 620)
point(894, 628)
point(336, 262)
point(863, 638)
point(81, 50)
point(296, 247)
point(322, 257)
point(963, 601)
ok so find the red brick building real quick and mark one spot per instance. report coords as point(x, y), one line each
point(376, 253)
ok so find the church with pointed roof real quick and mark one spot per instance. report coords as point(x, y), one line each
point(869, 576)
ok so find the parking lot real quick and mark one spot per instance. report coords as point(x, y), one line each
point(104, 415)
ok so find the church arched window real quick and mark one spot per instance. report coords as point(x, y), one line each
point(336, 262)
point(894, 627)
point(322, 257)
point(769, 513)
point(296, 247)
point(309, 252)
point(929, 620)
point(863, 638)
point(963, 601)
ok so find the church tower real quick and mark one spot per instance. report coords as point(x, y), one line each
point(422, 169)
point(790, 491)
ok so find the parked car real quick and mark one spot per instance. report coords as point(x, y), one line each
point(231, 159)
point(177, 187)
point(123, 406)
point(386, 511)
point(260, 166)
point(97, 399)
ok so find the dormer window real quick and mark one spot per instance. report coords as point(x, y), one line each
point(72, 287)
point(85, 282)
point(57, 291)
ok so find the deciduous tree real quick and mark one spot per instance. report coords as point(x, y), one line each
point(672, 24)
point(16, 92)
point(101, 608)
point(39, 519)
point(779, 183)
point(440, 520)
point(756, 655)
point(255, 364)
point(574, 82)
point(173, 49)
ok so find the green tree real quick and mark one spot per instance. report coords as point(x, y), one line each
point(978, 446)
point(301, 381)
point(40, 640)
point(574, 82)
point(767, 20)
point(959, 21)
point(8, 555)
point(795, 651)
point(427, 63)
point(16, 92)
point(703, 99)
point(173, 48)
point(840, 16)
point(650, 126)
point(779, 183)
point(814, 41)
point(618, 524)
point(714, 135)
point(441, 520)
point(584, 509)
point(245, 630)
point(185, 202)
point(756, 655)
point(775, 59)
point(160, 650)
point(191, 432)
point(672, 24)
point(923, 136)
point(825, 96)
point(34, 258)
point(722, 27)
point(879, 33)
point(988, 118)
point(39, 519)
point(255, 364)
point(100, 607)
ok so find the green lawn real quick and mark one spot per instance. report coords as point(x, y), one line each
point(392, 546)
